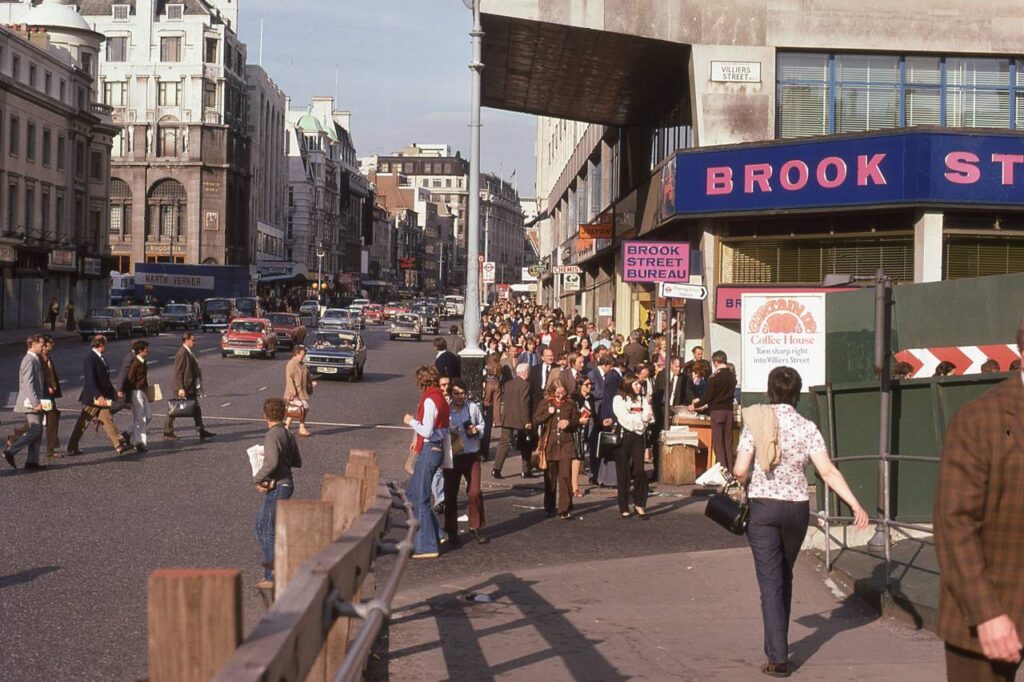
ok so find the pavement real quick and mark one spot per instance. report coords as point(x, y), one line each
point(10, 337)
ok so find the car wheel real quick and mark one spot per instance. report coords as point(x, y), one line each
point(223, 354)
point(352, 378)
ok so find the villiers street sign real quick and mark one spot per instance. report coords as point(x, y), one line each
point(692, 292)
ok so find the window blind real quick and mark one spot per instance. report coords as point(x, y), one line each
point(808, 261)
point(980, 257)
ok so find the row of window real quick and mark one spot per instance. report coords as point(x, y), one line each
point(409, 167)
point(170, 50)
point(168, 93)
point(32, 212)
point(821, 94)
point(46, 86)
point(436, 183)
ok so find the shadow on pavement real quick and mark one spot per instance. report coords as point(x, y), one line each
point(850, 614)
point(26, 576)
point(500, 605)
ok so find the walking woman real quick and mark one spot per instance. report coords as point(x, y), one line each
point(585, 435)
point(633, 413)
point(433, 446)
point(298, 386)
point(558, 419)
point(778, 501)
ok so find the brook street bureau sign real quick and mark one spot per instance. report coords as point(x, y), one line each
point(655, 262)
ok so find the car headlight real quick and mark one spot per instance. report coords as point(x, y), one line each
point(393, 326)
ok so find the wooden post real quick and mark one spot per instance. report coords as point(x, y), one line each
point(362, 464)
point(195, 622)
point(345, 493)
point(304, 528)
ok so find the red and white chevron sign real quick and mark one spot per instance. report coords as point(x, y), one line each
point(968, 359)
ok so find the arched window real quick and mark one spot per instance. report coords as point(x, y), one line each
point(165, 219)
point(120, 209)
point(167, 136)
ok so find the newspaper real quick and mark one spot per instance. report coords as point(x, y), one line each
point(255, 458)
point(680, 435)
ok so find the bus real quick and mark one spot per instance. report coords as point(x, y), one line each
point(122, 288)
point(455, 305)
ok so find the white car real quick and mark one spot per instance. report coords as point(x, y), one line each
point(337, 318)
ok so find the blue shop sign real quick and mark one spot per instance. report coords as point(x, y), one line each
point(909, 167)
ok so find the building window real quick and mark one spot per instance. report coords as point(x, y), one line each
point(165, 218)
point(209, 94)
point(86, 58)
point(15, 67)
point(30, 141)
point(79, 159)
point(167, 139)
point(120, 144)
point(14, 135)
point(120, 12)
point(12, 206)
point(170, 49)
point(30, 206)
point(175, 12)
point(169, 93)
point(47, 139)
point(59, 214)
point(32, 75)
point(47, 83)
point(60, 152)
point(96, 165)
point(81, 98)
point(114, 93)
point(210, 50)
point(117, 49)
point(820, 94)
point(44, 211)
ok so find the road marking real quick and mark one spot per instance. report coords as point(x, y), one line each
point(225, 404)
point(263, 388)
point(341, 424)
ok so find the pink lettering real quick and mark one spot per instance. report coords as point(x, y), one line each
point(963, 169)
point(1007, 161)
point(870, 169)
point(840, 172)
point(757, 174)
point(802, 173)
point(719, 180)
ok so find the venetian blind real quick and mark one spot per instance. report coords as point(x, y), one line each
point(980, 257)
point(808, 261)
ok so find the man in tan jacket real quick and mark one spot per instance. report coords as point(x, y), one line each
point(979, 534)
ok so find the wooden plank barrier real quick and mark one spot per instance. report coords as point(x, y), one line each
point(195, 622)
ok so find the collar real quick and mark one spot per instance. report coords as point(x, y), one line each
point(439, 353)
point(35, 355)
point(188, 349)
point(98, 354)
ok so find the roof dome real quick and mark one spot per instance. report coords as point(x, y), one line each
point(56, 14)
point(331, 132)
point(309, 123)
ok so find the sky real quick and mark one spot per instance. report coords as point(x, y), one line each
point(402, 72)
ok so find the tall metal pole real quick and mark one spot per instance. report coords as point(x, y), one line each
point(472, 354)
point(883, 360)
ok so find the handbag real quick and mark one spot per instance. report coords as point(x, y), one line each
point(296, 409)
point(723, 509)
point(181, 407)
point(539, 460)
point(613, 437)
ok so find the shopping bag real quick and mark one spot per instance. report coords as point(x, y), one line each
point(715, 476)
point(154, 394)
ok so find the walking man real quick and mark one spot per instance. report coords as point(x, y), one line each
point(96, 398)
point(187, 383)
point(978, 507)
point(467, 426)
point(274, 481)
point(31, 393)
point(136, 391)
point(52, 313)
point(515, 416)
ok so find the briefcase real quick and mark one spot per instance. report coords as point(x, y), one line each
point(724, 510)
point(181, 407)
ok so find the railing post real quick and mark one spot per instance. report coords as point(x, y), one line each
point(345, 493)
point(362, 464)
point(304, 528)
point(195, 622)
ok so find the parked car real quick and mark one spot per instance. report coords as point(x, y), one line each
point(249, 307)
point(336, 318)
point(406, 326)
point(247, 336)
point(374, 313)
point(331, 354)
point(144, 319)
point(430, 317)
point(178, 316)
point(218, 313)
point(111, 322)
point(393, 310)
point(289, 328)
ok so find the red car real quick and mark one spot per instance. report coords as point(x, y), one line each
point(374, 313)
point(393, 310)
point(247, 336)
point(290, 330)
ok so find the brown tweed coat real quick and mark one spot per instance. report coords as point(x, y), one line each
point(979, 515)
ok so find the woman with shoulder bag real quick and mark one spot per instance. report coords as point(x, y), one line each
point(633, 413)
point(274, 480)
point(586, 405)
point(782, 442)
point(297, 387)
point(558, 419)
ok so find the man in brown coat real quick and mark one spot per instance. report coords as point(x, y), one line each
point(515, 416)
point(635, 352)
point(979, 536)
point(187, 383)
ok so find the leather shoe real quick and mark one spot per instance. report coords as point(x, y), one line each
point(9, 456)
point(496, 474)
point(481, 539)
point(74, 453)
point(34, 466)
point(170, 435)
point(775, 669)
point(203, 435)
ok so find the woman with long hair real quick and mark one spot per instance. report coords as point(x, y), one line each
point(491, 404)
point(586, 350)
point(558, 420)
point(778, 500)
point(633, 413)
point(297, 387)
point(587, 406)
point(433, 446)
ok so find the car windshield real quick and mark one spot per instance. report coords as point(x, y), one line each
point(102, 312)
point(338, 314)
point(218, 306)
point(282, 320)
point(131, 312)
point(248, 327)
point(177, 310)
point(246, 306)
point(409, 319)
point(334, 341)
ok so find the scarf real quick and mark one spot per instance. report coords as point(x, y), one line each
point(440, 404)
point(764, 427)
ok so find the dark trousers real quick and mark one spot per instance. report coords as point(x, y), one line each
point(90, 412)
point(504, 445)
point(465, 466)
point(775, 533)
point(721, 440)
point(485, 439)
point(629, 465)
point(592, 456)
point(50, 428)
point(967, 666)
point(197, 417)
point(558, 486)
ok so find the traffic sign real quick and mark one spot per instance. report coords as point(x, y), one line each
point(571, 281)
point(489, 272)
point(566, 270)
point(691, 292)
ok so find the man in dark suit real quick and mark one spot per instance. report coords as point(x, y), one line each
point(612, 379)
point(516, 415)
point(187, 382)
point(718, 401)
point(635, 352)
point(978, 507)
point(96, 398)
point(540, 375)
point(675, 391)
point(446, 362)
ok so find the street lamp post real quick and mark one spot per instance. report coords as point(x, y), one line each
point(473, 356)
point(320, 253)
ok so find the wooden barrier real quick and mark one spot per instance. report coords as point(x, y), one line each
point(195, 622)
point(322, 548)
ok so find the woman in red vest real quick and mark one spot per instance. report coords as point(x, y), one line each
point(434, 448)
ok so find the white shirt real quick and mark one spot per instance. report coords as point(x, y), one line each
point(635, 422)
point(799, 438)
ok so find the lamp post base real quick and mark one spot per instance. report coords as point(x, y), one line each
point(473, 373)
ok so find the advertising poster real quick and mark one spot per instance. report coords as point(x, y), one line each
point(782, 330)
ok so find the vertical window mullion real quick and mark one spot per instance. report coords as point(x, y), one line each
point(831, 97)
point(942, 92)
point(1013, 95)
point(901, 94)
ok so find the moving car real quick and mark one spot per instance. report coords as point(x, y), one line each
point(144, 319)
point(455, 305)
point(429, 315)
point(310, 307)
point(178, 316)
point(218, 313)
point(249, 307)
point(335, 318)
point(356, 315)
point(374, 313)
point(406, 326)
point(331, 354)
point(359, 304)
point(393, 310)
point(289, 328)
point(111, 322)
point(249, 336)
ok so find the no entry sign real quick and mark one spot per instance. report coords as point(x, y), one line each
point(656, 262)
